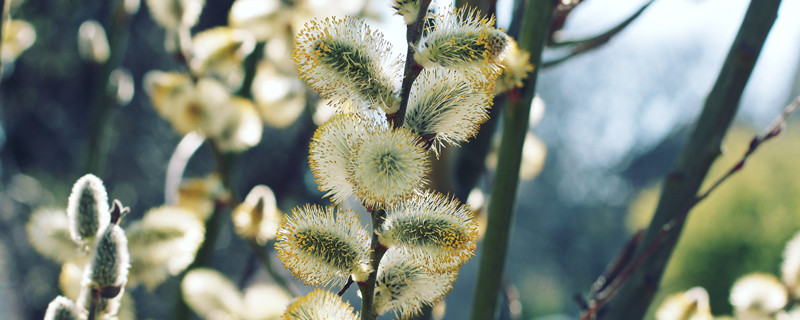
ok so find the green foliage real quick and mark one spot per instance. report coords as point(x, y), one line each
point(742, 227)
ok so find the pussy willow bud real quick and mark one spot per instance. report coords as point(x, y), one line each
point(388, 166)
point(404, 285)
point(344, 59)
point(87, 208)
point(92, 42)
point(757, 295)
point(446, 105)
point(319, 304)
point(61, 308)
point(690, 305)
point(432, 228)
point(463, 41)
point(516, 66)
point(108, 266)
point(408, 9)
point(258, 216)
point(330, 151)
point(790, 268)
point(323, 245)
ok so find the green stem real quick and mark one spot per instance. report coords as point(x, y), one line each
point(681, 187)
point(504, 189)
point(103, 101)
point(368, 287)
point(213, 227)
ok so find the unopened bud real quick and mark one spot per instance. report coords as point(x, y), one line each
point(87, 208)
point(110, 261)
point(61, 308)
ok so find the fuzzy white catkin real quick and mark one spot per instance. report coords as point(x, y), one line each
point(61, 308)
point(110, 260)
point(790, 268)
point(757, 295)
point(87, 208)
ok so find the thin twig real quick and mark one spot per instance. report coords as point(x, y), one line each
point(412, 68)
point(585, 45)
point(773, 130)
point(602, 296)
point(346, 286)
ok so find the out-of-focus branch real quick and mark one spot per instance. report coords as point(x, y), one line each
point(581, 46)
point(533, 34)
point(103, 102)
point(177, 164)
point(637, 287)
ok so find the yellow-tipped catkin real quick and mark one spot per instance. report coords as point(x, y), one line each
point(18, 36)
point(278, 95)
point(108, 266)
point(163, 243)
point(323, 246)
point(263, 18)
point(343, 59)
point(445, 105)
point(242, 130)
point(433, 228)
point(87, 208)
point(516, 66)
point(690, 305)
point(258, 216)
point(462, 40)
point(388, 166)
point(61, 308)
point(93, 42)
point(790, 268)
point(404, 285)
point(757, 295)
point(319, 305)
point(48, 233)
point(199, 195)
point(172, 14)
point(220, 52)
point(408, 9)
point(211, 295)
point(330, 151)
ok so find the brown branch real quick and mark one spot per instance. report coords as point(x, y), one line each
point(582, 46)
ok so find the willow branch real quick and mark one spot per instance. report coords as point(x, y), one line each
point(412, 68)
point(532, 38)
point(368, 287)
point(681, 187)
point(582, 46)
point(103, 101)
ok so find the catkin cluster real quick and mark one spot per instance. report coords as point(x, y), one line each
point(93, 226)
point(420, 238)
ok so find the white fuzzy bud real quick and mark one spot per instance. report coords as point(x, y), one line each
point(61, 308)
point(87, 208)
point(108, 266)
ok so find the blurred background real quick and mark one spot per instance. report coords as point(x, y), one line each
point(614, 121)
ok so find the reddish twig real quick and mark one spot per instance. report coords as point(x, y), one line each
point(585, 45)
point(601, 293)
